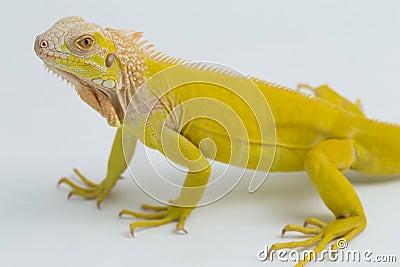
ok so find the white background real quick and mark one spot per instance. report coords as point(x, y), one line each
point(46, 129)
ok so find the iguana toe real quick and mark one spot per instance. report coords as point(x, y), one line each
point(98, 191)
point(163, 215)
point(343, 228)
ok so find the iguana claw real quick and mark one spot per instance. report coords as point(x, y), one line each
point(163, 215)
point(344, 228)
point(99, 191)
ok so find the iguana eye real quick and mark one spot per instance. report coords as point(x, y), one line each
point(85, 42)
point(43, 44)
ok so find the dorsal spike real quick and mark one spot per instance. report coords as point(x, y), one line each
point(147, 47)
point(136, 38)
point(157, 54)
point(140, 44)
point(136, 34)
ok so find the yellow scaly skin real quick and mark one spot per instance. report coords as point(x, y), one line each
point(325, 135)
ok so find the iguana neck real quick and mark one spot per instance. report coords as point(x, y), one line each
point(130, 55)
point(140, 64)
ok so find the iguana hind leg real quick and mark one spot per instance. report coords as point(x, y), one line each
point(116, 166)
point(324, 164)
point(328, 94)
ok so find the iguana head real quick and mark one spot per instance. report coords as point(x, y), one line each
point(104, 65)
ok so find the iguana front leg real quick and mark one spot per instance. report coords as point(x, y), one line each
point(180, 150)
point(324, 164)
point(117, 164)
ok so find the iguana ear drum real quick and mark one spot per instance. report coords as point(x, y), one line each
point(109, 60)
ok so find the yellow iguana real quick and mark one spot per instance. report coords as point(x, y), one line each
point(323, 133)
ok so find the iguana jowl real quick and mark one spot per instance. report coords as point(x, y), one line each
point(325, 135)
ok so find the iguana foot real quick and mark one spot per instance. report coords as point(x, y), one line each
point(161, 216)
point(99, 191)
point(343, 228)
point(328, 94)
